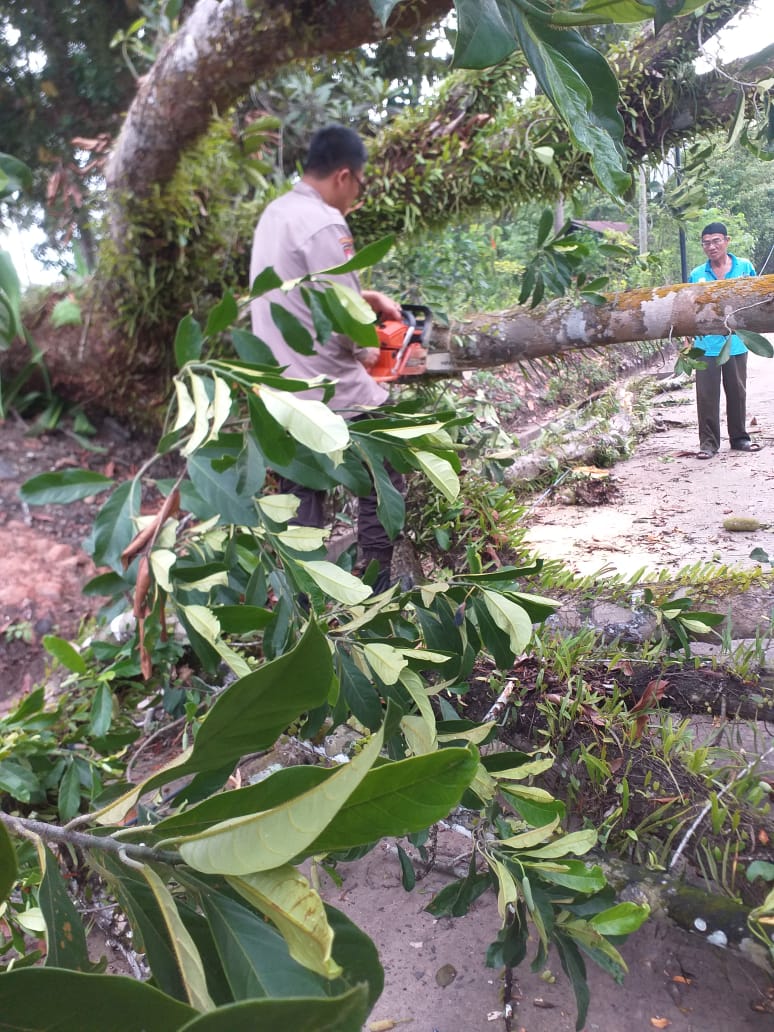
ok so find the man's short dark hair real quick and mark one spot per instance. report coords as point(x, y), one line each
point(332, 148)
point(714, 227)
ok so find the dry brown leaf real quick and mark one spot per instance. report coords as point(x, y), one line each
point(660, 1022)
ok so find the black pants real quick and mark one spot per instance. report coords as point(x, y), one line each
point(733, 375)
point(372, 539)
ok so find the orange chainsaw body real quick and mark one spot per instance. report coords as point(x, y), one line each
point(401, 345)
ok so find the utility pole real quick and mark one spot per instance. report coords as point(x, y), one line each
point(681, 231)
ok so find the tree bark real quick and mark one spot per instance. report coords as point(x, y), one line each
point(680, 310)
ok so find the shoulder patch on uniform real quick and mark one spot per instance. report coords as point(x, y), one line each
point(347, 245)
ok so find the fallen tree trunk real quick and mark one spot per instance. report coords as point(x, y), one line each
point(662, 313)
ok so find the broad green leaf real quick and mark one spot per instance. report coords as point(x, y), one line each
point(366, 256)
point(265, 281)
point(575, 969)
point(483, 37)
point(252, 349)
point(65, 935)
point(456, 899)
point(310, 422)
point(66, 653)
point(415, 686)
point(511, 618)
point(248, 716)
point(113, 527)
point(309, 539)
point(10, 299)
point(756, 342)
point(188, 345)
point(69, 796)
point(206, 625)
point(69, 485)
point(287, 899)
point(9, 868)
point(270, 839)
point(185, 406)
point(571, 874)
point(420, 738)
point(361, 331)
point(161, 562)
point(66, 312)
point(439, 472)
point(525, 770)
point(576, 843)
point(101, 716)
point(242, 619)
point(337, 583)
point(221, 404)
point(43, 999)
point(345, 1013)
point(201, 425)
point(20, 782)
point(353, 303)
point(280, 507)
point(757, 869)
point(254, 955)
point(386, 661)
point(400, 798)
point(229, 492)
point(292, 329)
point(622, 919)
point(635, 10)
point(507, 890)
point(526, 839)
point(188, 959)
point(221, 315)
point(583, 89)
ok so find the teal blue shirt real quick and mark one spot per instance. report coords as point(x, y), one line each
point(712, 343)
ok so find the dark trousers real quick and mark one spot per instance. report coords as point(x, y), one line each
point(372, 539)
point(733, 375)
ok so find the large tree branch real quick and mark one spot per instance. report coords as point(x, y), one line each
point(681, 310)
point(220, 51)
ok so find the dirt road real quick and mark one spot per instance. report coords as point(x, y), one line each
point(671, 506)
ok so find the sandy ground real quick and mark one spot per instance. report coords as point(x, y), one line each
point(671, 508)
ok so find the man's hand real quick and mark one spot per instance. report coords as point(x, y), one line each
point(382, 304)
point(368, 357)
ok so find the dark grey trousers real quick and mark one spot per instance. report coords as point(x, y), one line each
point(733, 375)
point(373, 540)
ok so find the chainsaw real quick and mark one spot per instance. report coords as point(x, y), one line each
point(402, 350)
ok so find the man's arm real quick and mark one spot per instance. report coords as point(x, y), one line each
point(382, 304)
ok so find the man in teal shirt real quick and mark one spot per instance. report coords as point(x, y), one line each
point(721, 264)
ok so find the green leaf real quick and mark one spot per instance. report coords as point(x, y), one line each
point(400, 798)
point(10, 300)
point(509, 617)
point(43, 999)
point(101, 715)
point(756, 342)
point(189, 961)
point(252, 349)
point(439, 472)
point(343, 308)
point(221, 315)
point(114, 527)
point(8, 866)
point(254, 955)
point(575, 969)
point(65, 936)
point(69, 485)
point(758, 869)
point(66, 653)
point(577, 843)
point(242, 619)
point(408, 874)
point(266, 840)
point(337, 583)
point(310, 422)
point(265, 281)
point(455, 900)
point(66, 312)
point(286, 898)
point(661, 11)
point(483, 37)
point(571, 874)
point(583, 89)
point(69, 798)
point(725, 351)
point(292, 329)
point(248, 716)
point(371, 254)
point(622, 919)
point(188, 341)
point(19, 781)
point(345, 1013)
point(229, 492)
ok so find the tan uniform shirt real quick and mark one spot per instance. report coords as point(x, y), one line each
point(299, 233)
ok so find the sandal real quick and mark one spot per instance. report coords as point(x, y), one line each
point(705, 454)
point(747, 446)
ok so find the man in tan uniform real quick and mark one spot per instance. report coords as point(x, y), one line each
point(305, 231)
